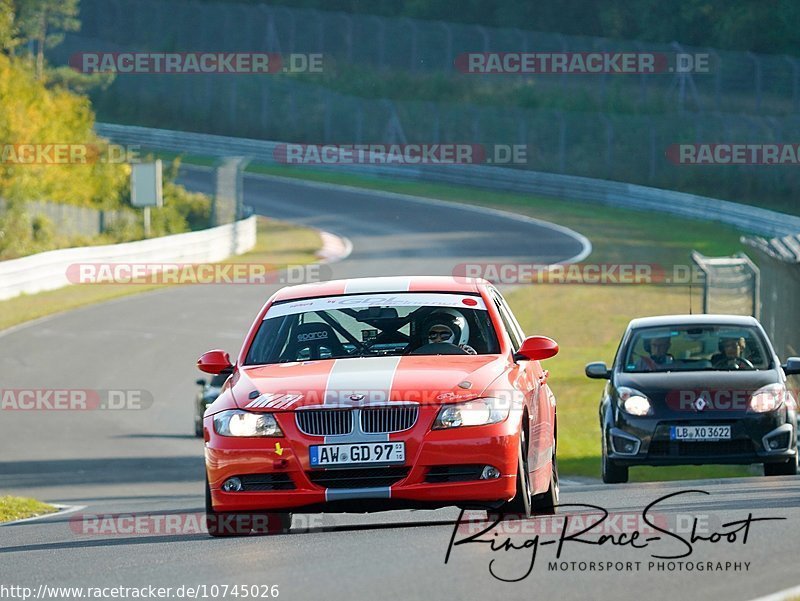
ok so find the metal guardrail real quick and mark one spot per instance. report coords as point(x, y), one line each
point(746, 218)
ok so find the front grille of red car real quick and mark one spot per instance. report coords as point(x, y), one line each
point(382, 420)
point(358, 478)
point(265, 482)
point(325, 422)
point(695, 448)
point(453, 473)
point(373, 420)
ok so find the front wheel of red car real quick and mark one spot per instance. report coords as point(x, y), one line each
point(224, 524)
point(520, 506)
point(546, 504)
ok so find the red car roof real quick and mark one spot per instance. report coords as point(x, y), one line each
point(382, 284)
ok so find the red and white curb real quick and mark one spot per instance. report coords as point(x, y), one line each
point(334, 248)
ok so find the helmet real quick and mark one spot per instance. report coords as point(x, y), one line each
point(450, 318)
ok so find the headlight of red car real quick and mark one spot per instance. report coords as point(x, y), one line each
point(244, 423)
point(480, 412)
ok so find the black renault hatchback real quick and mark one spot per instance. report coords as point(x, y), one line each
point(696, 389)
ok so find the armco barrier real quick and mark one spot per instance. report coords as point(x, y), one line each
point(48, 270)
point(565, 187)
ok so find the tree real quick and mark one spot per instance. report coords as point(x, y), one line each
point(43, 21)
point(8, 28)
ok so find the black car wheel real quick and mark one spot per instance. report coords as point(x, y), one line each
point(520, 506)
point(224, 524)
point(788, 468)
point(612, 472)
point(547, 503)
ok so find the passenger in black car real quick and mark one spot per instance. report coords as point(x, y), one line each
point(658, 351)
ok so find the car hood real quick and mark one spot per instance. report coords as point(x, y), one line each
point(360, 382)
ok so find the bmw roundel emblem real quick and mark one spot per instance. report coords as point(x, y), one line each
point(356, 397)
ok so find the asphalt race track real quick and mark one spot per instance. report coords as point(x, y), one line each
point(147, 462)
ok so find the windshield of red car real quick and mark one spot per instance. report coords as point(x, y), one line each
point(352, 326)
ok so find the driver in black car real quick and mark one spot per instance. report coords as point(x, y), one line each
point(731, 354)
point(447, 328)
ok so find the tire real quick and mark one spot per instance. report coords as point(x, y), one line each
point(787, 468)
point(227, 524)
point(547, 503)
point(612, 472)
point(520, 506)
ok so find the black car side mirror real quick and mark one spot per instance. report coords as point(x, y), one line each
point(792, 366)
point(598, 370)
point(200, 382)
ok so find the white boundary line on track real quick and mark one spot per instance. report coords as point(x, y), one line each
point(783, 595)
point(62, 510)
point(580, 238)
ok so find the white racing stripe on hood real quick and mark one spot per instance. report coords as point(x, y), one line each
point(371, 377)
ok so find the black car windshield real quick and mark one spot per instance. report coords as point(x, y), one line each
point(696, 348)
point(373, 325)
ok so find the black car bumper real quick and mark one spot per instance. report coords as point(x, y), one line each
point(767, 438)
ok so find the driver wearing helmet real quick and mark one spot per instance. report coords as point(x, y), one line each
point(448, 328)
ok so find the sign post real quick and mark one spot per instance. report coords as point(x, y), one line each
point(146, 189)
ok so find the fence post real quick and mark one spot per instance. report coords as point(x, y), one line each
point(380, 32)
point(413, 29)
point(757, 78)
point(795, 84)
point(448, 54)
point(348, 36)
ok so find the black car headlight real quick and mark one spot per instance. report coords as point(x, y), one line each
point(245, 424)
point(634, 402)
point(767, 398)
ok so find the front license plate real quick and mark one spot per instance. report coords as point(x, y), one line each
point(700, 433)
point(357, 454)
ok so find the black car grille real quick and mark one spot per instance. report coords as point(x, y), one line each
point(358, 478)
point(263, 482)
point(382, 420)
point(373, 420)
point(453, 473)
point(325, 422)
point(694, 448)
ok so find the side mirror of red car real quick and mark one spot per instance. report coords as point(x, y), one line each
point(215, 362)
point(536, 348)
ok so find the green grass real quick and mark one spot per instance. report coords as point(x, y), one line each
point(278, 244)
point(19, 508)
